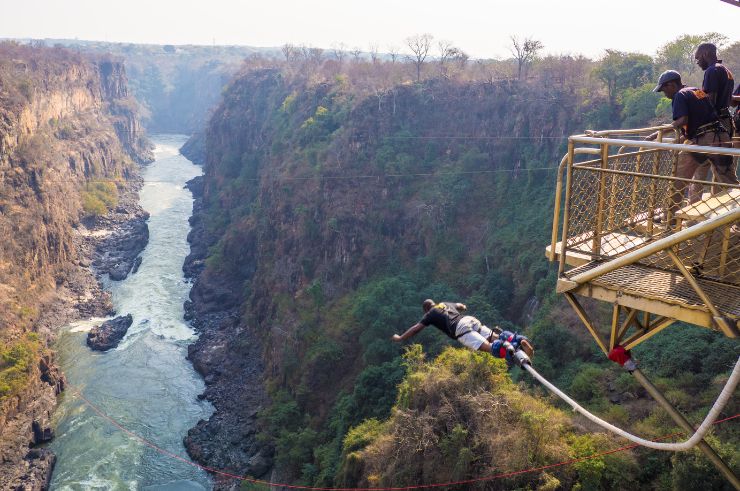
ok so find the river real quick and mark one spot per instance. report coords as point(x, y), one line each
point(145, 384)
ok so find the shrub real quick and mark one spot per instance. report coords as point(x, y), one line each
point(17, 360)
point(98, 197)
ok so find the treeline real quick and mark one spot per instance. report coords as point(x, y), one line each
point(620, 81)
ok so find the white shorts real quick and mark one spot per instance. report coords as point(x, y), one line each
point(472, 333)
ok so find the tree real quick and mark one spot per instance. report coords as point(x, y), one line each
point(419, 46)
point(374, 53)
point(620, 70)
point(679, 53)
point(393, 53)
point(449, 54)
point(289, 52)
point(525, 51)
point(339, 50)
point(356, 53)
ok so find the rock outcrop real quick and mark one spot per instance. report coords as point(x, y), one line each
point(108, 334)
point(127, 231)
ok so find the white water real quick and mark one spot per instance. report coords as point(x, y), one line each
point(145, 384)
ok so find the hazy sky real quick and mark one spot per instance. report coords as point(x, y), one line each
point(481, 28)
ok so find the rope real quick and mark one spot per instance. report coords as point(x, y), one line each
point(278, 178)
point(719, 404)
point(504, 475)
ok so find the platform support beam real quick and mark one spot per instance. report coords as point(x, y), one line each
point(686, 426)
point(573, 301)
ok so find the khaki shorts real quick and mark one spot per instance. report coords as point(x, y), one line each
point(472, 333)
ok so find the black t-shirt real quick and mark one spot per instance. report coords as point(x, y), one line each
point(444, 316)
point(695, 104)
point(718, 80)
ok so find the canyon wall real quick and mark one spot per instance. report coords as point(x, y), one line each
point(69, 138)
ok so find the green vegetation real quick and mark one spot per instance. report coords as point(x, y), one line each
point(17, 360)
point(342, 208)
point(98, 197)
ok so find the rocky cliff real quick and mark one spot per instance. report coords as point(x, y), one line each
point(69, 138)
point(317, 196)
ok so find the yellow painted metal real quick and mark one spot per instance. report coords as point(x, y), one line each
point(556, 215)
point(566, 213)
point(651, 278)
point(626, 325)
point(586, 320)
point(725, 247)
point(735, 152)
point(650, 332)
point(657, 246)
point(615, 320)
point(679, 312)
point(692, 281)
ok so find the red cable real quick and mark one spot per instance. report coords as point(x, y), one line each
point(401, 488)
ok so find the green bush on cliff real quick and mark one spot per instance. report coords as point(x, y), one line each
point(458, 416)
point(98, 197)
point(17, 359)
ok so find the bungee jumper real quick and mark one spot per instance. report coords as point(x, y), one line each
point(448, 317)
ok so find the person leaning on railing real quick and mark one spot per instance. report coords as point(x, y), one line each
point(695, 116)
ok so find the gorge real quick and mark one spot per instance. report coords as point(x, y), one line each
point(334, 197)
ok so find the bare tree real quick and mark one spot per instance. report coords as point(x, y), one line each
point(419, 46)
point(393, 53)
point(449, 54)
point(525, 52)
point(356, 53)
point(289, 52)
point(339, 50)
point(374, 53)
point(315, 55)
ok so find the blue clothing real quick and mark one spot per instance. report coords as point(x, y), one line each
point(497, 348)
point(695, 104)
point(718, 80)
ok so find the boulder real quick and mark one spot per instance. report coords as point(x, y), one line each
point(109, 333)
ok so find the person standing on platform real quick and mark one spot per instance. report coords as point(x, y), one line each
point(695, 116)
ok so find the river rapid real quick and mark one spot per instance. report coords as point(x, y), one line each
point(145, 384)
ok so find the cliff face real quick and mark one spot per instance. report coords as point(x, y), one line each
point(65, 122)
point(315, 195)
point(178, 86)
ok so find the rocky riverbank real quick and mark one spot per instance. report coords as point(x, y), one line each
point(26, 420)
point(227, 440)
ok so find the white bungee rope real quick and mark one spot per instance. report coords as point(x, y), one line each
point(711, 417)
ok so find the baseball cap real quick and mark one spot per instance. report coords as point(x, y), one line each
point(666, 76)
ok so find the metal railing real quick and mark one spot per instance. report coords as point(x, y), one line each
point(619, 193)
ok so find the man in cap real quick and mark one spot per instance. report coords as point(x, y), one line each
point(695, 116)
point(448, 318)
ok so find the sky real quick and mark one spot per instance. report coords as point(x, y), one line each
point(481, 28)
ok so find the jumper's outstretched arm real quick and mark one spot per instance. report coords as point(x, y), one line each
point(410, 332)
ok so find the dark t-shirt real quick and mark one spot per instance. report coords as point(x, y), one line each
point(718, 80)
point(444, 316)
point(694, 103)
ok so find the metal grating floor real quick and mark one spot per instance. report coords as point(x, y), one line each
point(666, 286)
